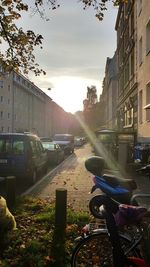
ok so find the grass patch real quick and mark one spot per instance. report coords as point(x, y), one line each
point(35, 243)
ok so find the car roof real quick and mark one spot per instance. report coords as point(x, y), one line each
point(19, 134)
point(46, 139)
point(63, 134)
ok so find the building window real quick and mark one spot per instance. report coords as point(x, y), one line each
point(121, 84)
point(23, 82)
point(2, 129)
point(8, 101)
point(1, 84)
point(148, 101)
point(8, 115)
point(8, 129)
point(148, 37)
point(128, 113)
point(132, 23)
point(132, 63)
point(141, 106)
point(1, 68)
point(126, 37)
point(126, 73)
point(2, 98)
point(1, 114)
point(18, 78)
point(139, 7)
point(9, 88)
point(140, 51)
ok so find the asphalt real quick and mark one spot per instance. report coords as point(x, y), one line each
point(77, 181)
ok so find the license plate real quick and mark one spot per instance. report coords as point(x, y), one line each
point(3, 160)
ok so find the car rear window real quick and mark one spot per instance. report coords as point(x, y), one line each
point(8, 146)
point(5, 146)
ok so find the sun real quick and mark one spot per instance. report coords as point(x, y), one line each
point(69, 92)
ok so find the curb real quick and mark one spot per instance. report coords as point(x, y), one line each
point(46, 177)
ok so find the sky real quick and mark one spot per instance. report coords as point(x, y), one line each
point(75, 48)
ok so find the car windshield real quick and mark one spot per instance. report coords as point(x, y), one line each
point(49, 146)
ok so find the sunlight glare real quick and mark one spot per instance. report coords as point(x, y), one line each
point(69, 92)
point(110, 161)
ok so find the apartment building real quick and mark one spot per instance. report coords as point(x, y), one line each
point(24, 107)
point(127, 67)
point(143, 69)
point(109, 96)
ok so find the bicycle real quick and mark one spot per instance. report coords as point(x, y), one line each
point(115, 189)
point(91, 248)
point(118, 189)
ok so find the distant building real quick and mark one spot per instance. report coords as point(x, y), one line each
point(127, 67)
point(24, 107)
point(109, 97)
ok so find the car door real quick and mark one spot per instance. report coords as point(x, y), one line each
point(42, 155)
point(5, 156)
point(19, 158)
point(60, 153)
point(34, 158)
point(12, 155)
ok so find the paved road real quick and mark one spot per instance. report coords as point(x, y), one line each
point(73, 176)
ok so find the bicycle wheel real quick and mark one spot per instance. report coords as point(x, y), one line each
point(95, 250)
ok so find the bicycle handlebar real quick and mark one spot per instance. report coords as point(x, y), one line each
point(140, 195)
point(144, 169)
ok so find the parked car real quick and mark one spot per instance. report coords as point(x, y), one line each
point(55, 152)
point(66, 142)
point(46, 139)
point(22, 155)
point(78, 141)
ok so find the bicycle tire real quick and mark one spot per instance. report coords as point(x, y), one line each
point(94, 206)
point(96, 250)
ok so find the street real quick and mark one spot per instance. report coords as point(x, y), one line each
point(72, 176)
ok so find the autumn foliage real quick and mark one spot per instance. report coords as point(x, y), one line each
point(17, 45)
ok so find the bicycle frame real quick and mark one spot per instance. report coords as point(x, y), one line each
point(119, 258)
point(146, 231)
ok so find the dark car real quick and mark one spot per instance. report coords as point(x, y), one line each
point(54, 151)
point(46, 139)
point(22, 155)
point(78, 141)
point(66, 142)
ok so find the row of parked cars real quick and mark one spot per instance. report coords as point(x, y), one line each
point(79, 141)
point(55, 153)
point(26, 155)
